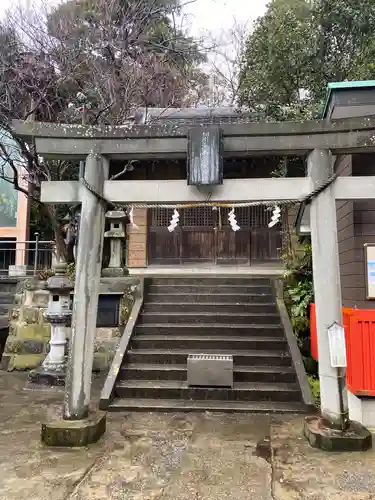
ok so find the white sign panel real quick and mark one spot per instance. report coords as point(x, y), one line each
point(337, 350)
point(370, 271)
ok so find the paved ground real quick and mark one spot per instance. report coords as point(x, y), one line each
point(148, 456)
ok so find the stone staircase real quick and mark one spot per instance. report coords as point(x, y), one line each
point(182, 316)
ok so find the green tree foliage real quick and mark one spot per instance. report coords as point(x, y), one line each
point(298, 47)
point(299, 295)
point(123, 54)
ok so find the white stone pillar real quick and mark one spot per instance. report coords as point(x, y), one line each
point(86, 292)
point(327, 286)
point(55, 359)
point(59, 315)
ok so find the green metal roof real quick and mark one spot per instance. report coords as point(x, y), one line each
point(345, 86)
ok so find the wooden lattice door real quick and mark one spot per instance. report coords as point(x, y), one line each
point(265, 242)
point(163, 247)
point(233, 247)
point(198, 235)
point(192, 241)
point(205, 236)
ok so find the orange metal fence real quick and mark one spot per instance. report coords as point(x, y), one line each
point(313, 333)
point(360, 346)
point(359, 327)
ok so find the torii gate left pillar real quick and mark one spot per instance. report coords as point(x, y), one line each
point(79, 427)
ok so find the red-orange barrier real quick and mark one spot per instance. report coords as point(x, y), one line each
point(314, 334)
point(359, 329)
point(360, 349)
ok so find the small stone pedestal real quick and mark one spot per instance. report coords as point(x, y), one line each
point(319, 435)
point(58, 314)
point(75, 433)
point(117, 236)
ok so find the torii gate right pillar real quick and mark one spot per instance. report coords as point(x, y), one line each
point(330, 431)
point(327, 287)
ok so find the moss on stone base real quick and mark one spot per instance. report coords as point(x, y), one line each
point(74, 433)
point(102, 361)
point(36, 331)
point(24, 361)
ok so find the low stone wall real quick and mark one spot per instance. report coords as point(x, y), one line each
point(29, 334)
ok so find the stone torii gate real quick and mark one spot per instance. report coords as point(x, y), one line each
point(320, 140)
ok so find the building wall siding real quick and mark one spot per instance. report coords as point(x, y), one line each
point(137, 240)
point(349, 265)
point(353, 280)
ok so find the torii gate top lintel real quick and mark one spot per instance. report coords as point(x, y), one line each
point(132, 140)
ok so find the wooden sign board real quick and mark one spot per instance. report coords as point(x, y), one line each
point(370, 270)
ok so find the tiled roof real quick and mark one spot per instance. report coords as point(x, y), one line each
point(190, 116)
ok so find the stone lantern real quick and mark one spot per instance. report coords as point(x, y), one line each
point(117, 235)
point(71, 227)
point(58, 314)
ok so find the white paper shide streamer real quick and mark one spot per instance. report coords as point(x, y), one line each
point(174, 221)
point(232, 220)
point(276, 214)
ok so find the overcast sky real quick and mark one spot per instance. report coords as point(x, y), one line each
point(215, 15)
point(203, 15)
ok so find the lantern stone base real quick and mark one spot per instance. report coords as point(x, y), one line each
point(27, 344)
point(48, 376)
point(114, 272)
point(319, 435)
point(75, 433)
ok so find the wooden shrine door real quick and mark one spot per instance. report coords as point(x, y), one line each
point(204, 235)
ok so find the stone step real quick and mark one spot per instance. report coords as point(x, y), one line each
point(179, 356)
point(5, 308)
point(205, 280)
point(176, 389)
point(206, 307)
point(4, 321)
point(214, 298)
point(145, 371)
point(175, 405)
point(226, 330)
point(264, 374)
point(203, 289)
point(210, 317)
point(8, 285)
point(6, 298)
point(205, 343)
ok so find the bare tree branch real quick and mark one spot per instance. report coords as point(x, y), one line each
point(89, 62)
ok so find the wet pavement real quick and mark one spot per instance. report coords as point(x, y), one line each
point(170, 456)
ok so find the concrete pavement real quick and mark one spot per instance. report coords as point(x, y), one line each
point(170, 456)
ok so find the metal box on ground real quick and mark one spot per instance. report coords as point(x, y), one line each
point(210, 370)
